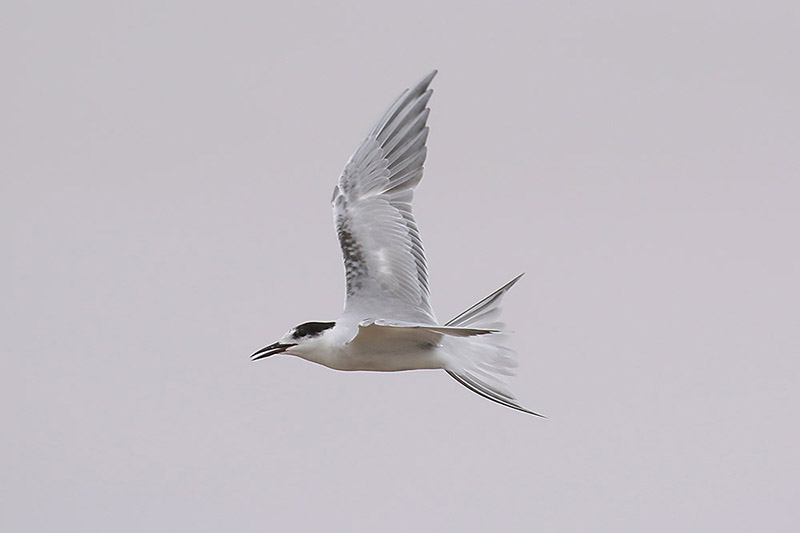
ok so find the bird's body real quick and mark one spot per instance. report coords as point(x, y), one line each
point(390, 350)
point(388, 323)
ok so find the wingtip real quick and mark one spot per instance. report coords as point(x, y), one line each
point(422, 85)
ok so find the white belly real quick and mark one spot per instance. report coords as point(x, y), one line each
point(387, 358)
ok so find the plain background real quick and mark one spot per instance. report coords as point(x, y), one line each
point(166, 173)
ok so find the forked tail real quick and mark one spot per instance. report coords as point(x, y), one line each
point(481, 362)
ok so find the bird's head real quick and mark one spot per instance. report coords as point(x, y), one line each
point(296, 341)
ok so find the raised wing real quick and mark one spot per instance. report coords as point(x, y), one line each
point(385, 267)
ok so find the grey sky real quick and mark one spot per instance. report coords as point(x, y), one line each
point(166, 172)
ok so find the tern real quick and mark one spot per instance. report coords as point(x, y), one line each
point(388, 323)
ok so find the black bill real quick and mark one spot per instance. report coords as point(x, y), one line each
point(272, 349)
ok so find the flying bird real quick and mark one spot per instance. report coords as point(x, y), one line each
point(388, 323)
